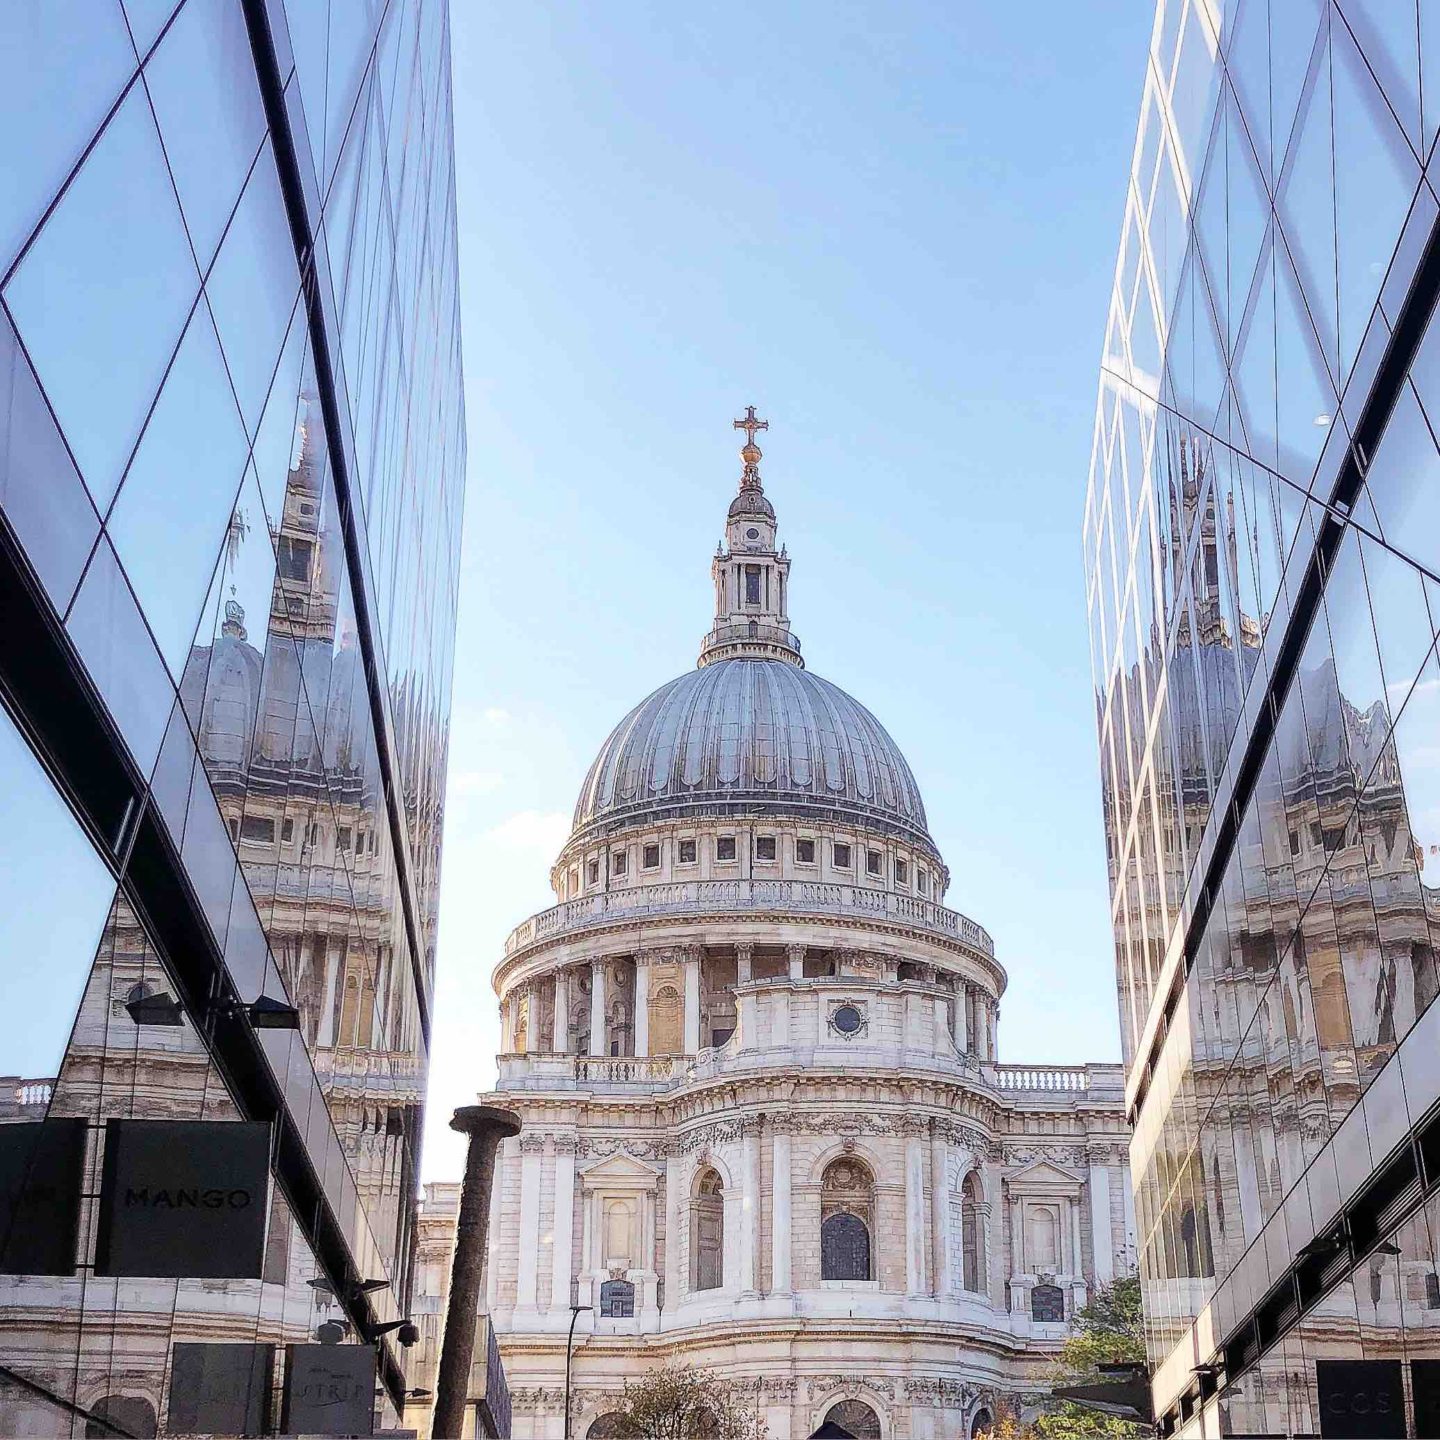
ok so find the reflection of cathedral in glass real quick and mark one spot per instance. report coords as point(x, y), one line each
point(1263, 611)
point(230, 505)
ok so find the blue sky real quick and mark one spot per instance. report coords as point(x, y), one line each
point(892, 229)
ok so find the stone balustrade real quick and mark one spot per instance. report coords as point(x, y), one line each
point(728, 897)
point(1050, 1077)
point(554, 1070)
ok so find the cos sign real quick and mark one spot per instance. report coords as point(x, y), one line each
point(184, 1198)
point(1361, 1399)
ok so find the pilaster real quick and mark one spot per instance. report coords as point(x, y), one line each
point(598, 969)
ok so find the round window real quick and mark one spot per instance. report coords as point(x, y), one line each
point(752, 533)
point(847, 1019)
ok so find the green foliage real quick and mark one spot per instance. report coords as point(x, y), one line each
point(1108, 1331)
point(681, 1402)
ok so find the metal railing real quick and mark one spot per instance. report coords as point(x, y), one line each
point(732, 896)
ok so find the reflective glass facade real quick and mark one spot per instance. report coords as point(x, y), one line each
point(232, 457)
point(1262, 555)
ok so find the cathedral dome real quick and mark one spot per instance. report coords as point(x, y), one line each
point(750, 734)
point(750, 730)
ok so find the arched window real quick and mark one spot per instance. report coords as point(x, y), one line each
point(707, 1232)
point(1047, 1303)
point(667, 1034)
point(973, 1240)
point(982, 1424)
point(856, 1417)
point(614, 1425)
point(847, 1218)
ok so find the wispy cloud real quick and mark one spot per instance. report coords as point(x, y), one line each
point(530, 830)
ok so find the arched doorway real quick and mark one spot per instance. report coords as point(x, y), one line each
point(982, 1424)
point(132, 1415)
point(856, 1417)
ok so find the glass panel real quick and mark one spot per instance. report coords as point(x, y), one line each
point(202, 84)
point(117, 649)
point(51, 944)
point(253, 286)
point(101, 349)
point(65, 62)
point(170, 518)
point(40, 489)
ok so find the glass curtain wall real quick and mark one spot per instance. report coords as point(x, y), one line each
point(1262, 545)
point(231, 485)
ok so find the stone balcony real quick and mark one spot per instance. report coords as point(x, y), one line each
point(729, 898)
point(649, 1074)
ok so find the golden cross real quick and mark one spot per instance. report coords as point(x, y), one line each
point(750, 424)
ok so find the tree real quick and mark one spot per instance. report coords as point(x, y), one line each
point(681, 1402)
point(1108, 1331)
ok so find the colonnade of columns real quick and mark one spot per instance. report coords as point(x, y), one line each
point(934, 1243)
point(968, 1011)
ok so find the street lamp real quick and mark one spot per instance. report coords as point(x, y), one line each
point(575, 1311)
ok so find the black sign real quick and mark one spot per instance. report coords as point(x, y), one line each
point(41, 1166)
point(329, 1390)
point(221, 1389)
point(184, 1198)
point(1361, 1399)
point(1425, 1387)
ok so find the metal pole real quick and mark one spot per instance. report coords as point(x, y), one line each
point(569, 1351)
point(487, 1126)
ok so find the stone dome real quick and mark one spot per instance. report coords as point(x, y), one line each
point(750, 735)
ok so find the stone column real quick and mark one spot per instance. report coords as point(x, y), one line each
point(1017, 1239)
point(795, 954)
point(492, 1270)
point(532, 1148)
point(642, 1004)
point(533, 1043)
point(744, 953)
point(675, 1252)
point(940, 1209)
point(915, 1221)
point(692, 1000)
point(745, 1004)
point(486, 1125)
point(560, 1022)
point(780, 1219)
point(562, 1257)
point(962, 1020)
point(1101, 1240)
point(1077, 1268)
point(597, 1007)
point(749, 1204)
point(942, 1025)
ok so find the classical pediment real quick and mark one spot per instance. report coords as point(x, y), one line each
point(1044, 1177)
point(619, 1172)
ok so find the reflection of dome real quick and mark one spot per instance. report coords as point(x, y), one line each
point(750, 734)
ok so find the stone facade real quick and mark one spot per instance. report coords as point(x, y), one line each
point(766, 1129)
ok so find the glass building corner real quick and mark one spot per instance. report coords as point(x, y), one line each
point(1260, 544)
point(232, 462)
